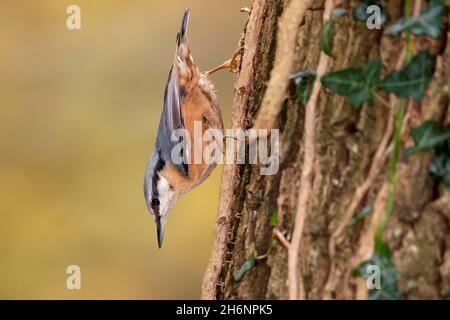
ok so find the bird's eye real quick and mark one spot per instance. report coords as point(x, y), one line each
point(155, 202)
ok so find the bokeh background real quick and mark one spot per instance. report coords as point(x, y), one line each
point(78, 116)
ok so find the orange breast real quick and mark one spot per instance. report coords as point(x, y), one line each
point(197, 105)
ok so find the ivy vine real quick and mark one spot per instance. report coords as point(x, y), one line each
point(363, 84)
point(430, 137)
point(359, 85)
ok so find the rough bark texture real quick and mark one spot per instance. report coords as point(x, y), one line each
point(346, 140)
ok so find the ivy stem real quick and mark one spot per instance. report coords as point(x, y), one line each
point(397, 144)
point(392, 174)
point(268, 252)
point(381, 99)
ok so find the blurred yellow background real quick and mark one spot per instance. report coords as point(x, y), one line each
point(79, 112)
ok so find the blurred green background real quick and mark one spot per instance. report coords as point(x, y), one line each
point(78, 115)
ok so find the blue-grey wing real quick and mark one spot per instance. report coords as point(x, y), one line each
point(171, 125)
point(172, 118)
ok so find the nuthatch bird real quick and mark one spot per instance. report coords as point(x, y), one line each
point(189, 97)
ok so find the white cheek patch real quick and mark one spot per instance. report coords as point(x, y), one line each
point(163, 185)
point(165, 195)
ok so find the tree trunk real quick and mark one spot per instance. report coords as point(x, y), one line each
point(346, 142)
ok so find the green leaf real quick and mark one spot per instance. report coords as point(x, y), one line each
point(428, 136)
point(360, 11)
point(305, 83)
point(273, 220)
point(326, 37)
point(382, 249)
point(428, 22)
point(440, 165)
point(412, 80)
point(372, 71)
point(360, 215)
point(329, 31)
point(355, 83)
point(388, 289)
point(247, 266)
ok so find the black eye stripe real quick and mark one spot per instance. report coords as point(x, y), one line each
point(155, 178)
point(155, 202)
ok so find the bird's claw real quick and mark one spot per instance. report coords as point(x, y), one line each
point(231, 65)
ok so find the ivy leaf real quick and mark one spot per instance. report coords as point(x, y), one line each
point(412, 80)
point(355, 83)
point(367, 210)
point(382, 249)
point(273, 220)
point(388, 275)
point(428, 136)
point(428, 22)
point(440, 166)
point(329, 31)
point(360, 11)
point(247, 266)
point(326, 37)
point(305, 83)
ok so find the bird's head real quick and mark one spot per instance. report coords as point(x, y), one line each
point(159, 194)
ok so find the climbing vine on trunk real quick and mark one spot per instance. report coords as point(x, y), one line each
point(366, 111)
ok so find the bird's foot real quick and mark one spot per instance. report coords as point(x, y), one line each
point(232, 64)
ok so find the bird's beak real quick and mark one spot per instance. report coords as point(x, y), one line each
point(160, 230)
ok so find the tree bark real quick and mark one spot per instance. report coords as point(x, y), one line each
point(346, 142)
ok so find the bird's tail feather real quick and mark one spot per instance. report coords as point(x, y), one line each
point(181, 36)
point(184, 64)
point(185, 23)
